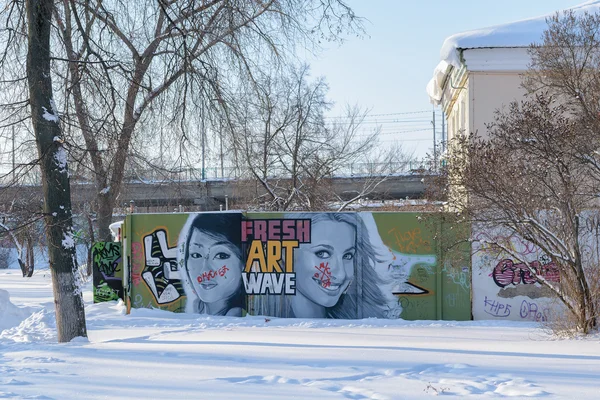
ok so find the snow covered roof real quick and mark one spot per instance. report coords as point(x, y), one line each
point(514, 34)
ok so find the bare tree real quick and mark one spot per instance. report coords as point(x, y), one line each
point(529, 180)
point(537, 176)
point(70, 316)
point(283, 142)
point(128, 61)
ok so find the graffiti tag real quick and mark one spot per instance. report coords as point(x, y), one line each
point(530, 310)
point(107, 256)
point(324, 274)
point(507, 272)
point(108, 276)
point(411, 241)
point(496, 308)
point(458, 277)
point(137, 260)
point(212, 274)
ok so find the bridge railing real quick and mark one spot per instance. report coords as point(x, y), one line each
point(217, 173)
point(357, 169)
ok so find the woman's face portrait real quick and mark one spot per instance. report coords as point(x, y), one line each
point(213, 265)
point(325, 267)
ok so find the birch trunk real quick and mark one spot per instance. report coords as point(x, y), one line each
point(70, 316)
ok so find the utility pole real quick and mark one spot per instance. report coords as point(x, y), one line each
point(13, 153)
point(202, 140)
point(161, 146)
point(221, 145)
point(443, 132)
point(435, 157)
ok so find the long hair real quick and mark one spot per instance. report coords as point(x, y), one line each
point(364, 297)
point(365, 290)
point(219, 225)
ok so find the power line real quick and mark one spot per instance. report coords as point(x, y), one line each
point(395, 121)
point(384, 115)
point(365, 134)
point(405, 140)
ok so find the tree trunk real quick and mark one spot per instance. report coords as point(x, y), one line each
point(105, 211)
point(30, 256)
point(23, 267)
point(70, 315)
point(92, 241)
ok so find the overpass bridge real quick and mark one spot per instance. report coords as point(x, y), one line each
point(210, 194)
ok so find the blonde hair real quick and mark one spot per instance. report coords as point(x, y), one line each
point(363, 297)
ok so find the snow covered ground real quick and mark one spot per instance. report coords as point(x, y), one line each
point(152, 354)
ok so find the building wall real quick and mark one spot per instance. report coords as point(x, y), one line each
point(470, 106)
point(455, 102)
point(491, 91)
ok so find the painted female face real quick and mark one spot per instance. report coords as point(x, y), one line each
point(325, 267)
point(213, 266)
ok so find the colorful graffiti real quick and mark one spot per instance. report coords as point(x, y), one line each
point(322, 261)
point(507, 272)
point(271, 243)
point(505, 288)
point(303, 265)
point(160, 267)
point(107, 271)
point(210, 263)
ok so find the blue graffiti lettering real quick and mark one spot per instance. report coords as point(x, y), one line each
point(530, 310)
point(496, 308)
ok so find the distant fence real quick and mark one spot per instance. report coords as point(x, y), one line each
point(31, 175)
point(210, 173)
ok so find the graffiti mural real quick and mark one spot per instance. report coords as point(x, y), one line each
point(160, 268)
point(271, 243)
point(107, 271)
point(427, 284)
point(152, 272)
point(210, 263)
point(509, 289)
point(293, 265)
point(320, 262)
point(401, 269)
point(520, 279)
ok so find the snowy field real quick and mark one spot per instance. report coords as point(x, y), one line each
point(152, 354)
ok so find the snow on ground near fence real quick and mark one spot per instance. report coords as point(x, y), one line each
point(155, 354)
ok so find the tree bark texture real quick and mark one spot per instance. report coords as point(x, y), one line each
point(70, 316)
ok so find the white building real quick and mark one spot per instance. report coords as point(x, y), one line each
point(480, 71)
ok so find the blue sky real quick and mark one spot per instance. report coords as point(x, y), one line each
point(387, 71)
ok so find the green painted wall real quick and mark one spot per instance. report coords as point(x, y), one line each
point(350, 265)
